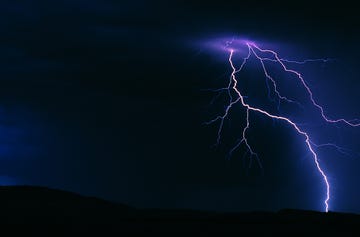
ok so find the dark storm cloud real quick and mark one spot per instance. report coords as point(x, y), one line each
point(116, 92)
point(77, 43)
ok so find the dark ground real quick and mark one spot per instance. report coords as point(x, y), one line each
point(42, 211)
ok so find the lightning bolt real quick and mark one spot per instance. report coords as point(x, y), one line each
point(257, 52)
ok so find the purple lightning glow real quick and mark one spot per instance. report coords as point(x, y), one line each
point(257, 52)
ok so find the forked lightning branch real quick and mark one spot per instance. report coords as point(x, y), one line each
point(236, 96)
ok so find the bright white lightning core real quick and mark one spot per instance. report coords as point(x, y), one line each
point(253, 50)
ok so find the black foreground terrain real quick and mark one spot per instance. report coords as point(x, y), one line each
point(42, 211)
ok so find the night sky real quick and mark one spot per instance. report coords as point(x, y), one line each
point(106, 98)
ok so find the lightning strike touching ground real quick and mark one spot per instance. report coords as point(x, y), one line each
point(232, 90)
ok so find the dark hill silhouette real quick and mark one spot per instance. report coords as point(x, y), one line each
point(38, 210)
